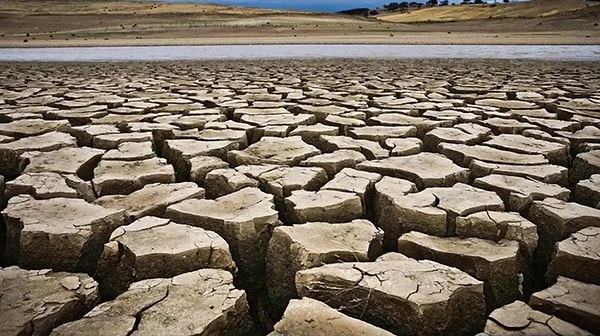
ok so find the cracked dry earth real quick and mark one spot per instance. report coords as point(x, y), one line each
point(300, 198)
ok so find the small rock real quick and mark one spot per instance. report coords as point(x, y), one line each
point(469, 134)
point(571, 300)
point(509, 126)
point(497, 264)
point(452, 115)
point(423, 125)
point(130, 151)
point(555, 152)
point(152, 199)
point(153, 247)
point(371, 149)
point(124, 177)
point(10, 153)
point(35, 302)
point(403, 296)
point(298, 247)
point(221, 182)
point(382, 133)
point(577, 257)
point(50, 185)
point(85, 134)
point(359, 182)
point(270, 150)
point(463, 155)
point(496, 225)
point(581, 104)
point(202, 165)
point(551, 174)
point(310, 133)
point(321, 112)
point(404, 147)
point(79, 161)
point(72, 104)
point(557, 220)
point(518, 193)
point(519, 319)
point(193, 303)
point(386, 191)
point(322, 206)
point(287, 119)
point(239, 136)
point(336, 161)
point(281, 181)
point(141, 105)
point(553, 125)
point(424, 169)
point(588, 191)
point(59, 233)
point(539, 134)
point(80, 115)
point(312, 317)
point(113, 140)
point(584, 166)
point(589, 134)
point(244, 219)
point(506, 105)
point(32, 127)
point(238, 113)
point(533, 113)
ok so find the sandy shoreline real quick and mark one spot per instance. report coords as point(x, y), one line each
point(425, 38)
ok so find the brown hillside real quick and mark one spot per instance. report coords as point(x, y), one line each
point(529, 9)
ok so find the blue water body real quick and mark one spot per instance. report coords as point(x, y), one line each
point(311, 5)
point(319, 5)
point(253, 52)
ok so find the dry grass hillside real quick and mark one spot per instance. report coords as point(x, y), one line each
point(49, 7)
point(528, 9)
point(139, 18)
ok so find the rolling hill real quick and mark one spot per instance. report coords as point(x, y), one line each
point(528, 9)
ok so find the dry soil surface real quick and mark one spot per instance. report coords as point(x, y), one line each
point(405, 197)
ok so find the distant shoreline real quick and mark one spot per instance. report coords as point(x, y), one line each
point(428, 38)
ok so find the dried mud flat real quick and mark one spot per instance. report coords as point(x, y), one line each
point(300, 197)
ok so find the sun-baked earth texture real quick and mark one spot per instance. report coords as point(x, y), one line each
point(300, 197)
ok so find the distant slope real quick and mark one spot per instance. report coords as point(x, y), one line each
point(529, 9)
point(63, 19)
point(53, 7)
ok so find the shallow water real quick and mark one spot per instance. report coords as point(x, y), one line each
point(231, 52)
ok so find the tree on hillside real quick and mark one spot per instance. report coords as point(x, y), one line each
point(506, 1)
point(444, 3)
point(392, 6)
point(431, 3)
point(478, 2)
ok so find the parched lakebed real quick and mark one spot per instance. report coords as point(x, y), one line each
point(296, 197)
